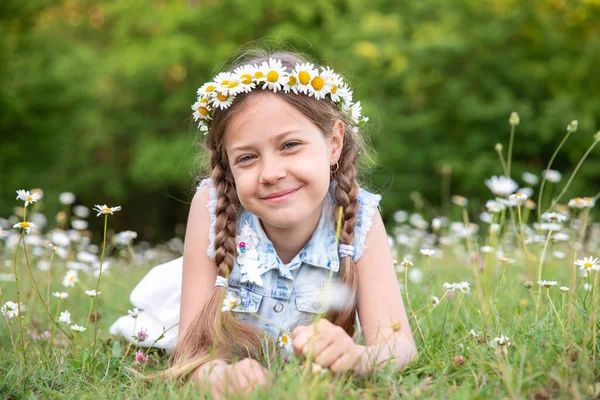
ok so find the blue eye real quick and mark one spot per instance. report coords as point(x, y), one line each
point(244, 159)
point(289, 145)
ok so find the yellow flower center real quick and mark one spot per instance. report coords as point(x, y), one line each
point(105, 210)
point(29, 198)
point(588, 265)
point(272, 76)
point(71, 278)
point(232, 84)
point(202, 110)
point(317, 83)
point(292, 81)
point(210, 88)
point(204, 100)
point(246, 79)
point(285, 339)
point(258, 75)
point(225, 82)
point(24, 224)
point(304, 77)
point(222, 97)
point(334, 89)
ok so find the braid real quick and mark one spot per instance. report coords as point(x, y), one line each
point(346, 196)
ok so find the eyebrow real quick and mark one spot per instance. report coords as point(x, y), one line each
point(276, 138)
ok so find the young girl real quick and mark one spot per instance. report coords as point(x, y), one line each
point(261, 248)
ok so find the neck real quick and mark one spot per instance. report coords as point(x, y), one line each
point(290, 240)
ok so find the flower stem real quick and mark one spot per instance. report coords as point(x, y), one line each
point(19, 297)
point(510, 146)
point(540, 270)
point(97, 288)
point(12, 339)
point(522, 235)
point(48, 283)
point(589, 150)
point(501, 157)
point(539, 208)
point(409, 303)
point(555, 312)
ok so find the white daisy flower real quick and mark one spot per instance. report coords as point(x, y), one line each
point(319, 87)
point(553, 217)
point(244, 76)
point(230, 302)
point(582, 202)
point(518, 198)
point(427, 252)
point(79, 224)
point(318, 369)
point(125, 237)
point(285, 342)
point(207, 90)
point(60, 295)
point(406, 263)
point(65, 317)
point(92, 293)
point(564, 289)
point(527, 191)
point(494, 206)
point(552, 175)
point(304, 74)
point(547, 284)
point(473, 334)
point(434, 301)
point(222, 100)
point(501, 185)
point(462, 286)
point(356, 112)
point(459, 200)
point(135, 312)
point(66, 198)
point(340, 93)
point(104, 209)
point(78, 328)
point(81, 211)
point(70, 278)
point(502, 341)
point(28, 197)
point(449, 286)
point(11, 309)
point(588, 264)
point(26, 226)
point(275, 76)
point(201, 109)
point(530, 178)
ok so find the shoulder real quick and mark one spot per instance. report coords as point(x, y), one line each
point(368, 207)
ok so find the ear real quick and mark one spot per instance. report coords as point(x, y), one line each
point(336, 141)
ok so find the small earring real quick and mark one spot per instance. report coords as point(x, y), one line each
point(337, 165)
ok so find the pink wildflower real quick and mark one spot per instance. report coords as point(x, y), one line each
point(140, 357)
point(142, 335)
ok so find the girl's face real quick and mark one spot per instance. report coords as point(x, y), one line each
point(280, 161)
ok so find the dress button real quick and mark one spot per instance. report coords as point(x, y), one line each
point(278, 307)
point(316, 305)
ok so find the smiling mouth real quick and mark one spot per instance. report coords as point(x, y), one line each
point(284, 194)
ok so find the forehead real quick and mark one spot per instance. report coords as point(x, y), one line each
point(264, 116)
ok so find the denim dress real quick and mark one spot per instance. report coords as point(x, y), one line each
point(291, 294)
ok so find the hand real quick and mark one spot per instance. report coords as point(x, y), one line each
point(329, 346)
point(238, 378)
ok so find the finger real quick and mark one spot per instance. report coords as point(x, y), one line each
point(255, 375)
point(316, 344)
point(328, 355)
point(297, 330)
point(300, 340)
point(346, 362)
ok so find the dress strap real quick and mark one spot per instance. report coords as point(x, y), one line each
point(368, 204)
point(212, 206)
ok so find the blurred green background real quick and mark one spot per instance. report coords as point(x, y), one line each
point(95, 95)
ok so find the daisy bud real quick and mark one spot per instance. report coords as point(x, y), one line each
point(498, 147)
point(503, 260)
point(572, 127)
point(529, 284)
point(514, 119)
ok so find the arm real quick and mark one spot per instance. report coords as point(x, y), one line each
point(380, 308)
point(199, 271)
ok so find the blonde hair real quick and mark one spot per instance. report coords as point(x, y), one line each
point(213, 334)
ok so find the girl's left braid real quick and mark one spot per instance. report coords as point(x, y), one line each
point(346, 196)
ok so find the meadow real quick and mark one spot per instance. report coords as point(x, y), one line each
point(502, 303)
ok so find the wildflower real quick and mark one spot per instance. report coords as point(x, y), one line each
point(141, 335)
point(406, 263)
point(81, 211)
point(572, 127)
point(460, 200)
point(434, 301)
point(530, 204)
point(70, 278)
point(473, 334)
point(501, 185)
point(449, 286)
point(506, 202)
point(27, 197)
point(66, 198)
point(79, 224)
point(46, 335)
point(530, 178)
point(65, 317)
point(230, 302)
point(462, 286)
point(78, 328)
point(564, 289)
point(436, 224)
point(582, 202)
point(92, 293)
point(501, 344)
point(60, 295)
point(528, 284)
point(514, 119)
point(134, 313)
point(503, 260)
point(104, 209)
point(427, 252)
point(553, 217)
point(26, 226)
point(285, 342)
point(140, 357)
point(588, 264)
point(125, 237)
point(11, 309)
point(552, 175)
point(547, 284)
point(400, 216)
point(318, 369)
point(518, 198)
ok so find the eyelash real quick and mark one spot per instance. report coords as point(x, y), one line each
point(244, 159)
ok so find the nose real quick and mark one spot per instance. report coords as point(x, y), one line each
point(273, 169)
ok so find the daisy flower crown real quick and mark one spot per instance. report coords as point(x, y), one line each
point(304, 78)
